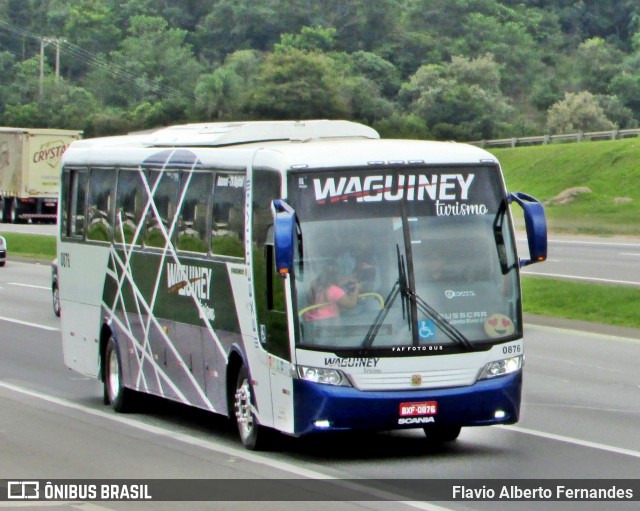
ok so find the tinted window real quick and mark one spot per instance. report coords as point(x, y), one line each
point(100, 210)
point(159, 222)
point(193, 228)
point(130, 204)
point(74, 197)
point(227, 227)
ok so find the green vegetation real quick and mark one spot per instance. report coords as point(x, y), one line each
point(609, 169)
point(443, 69)
point(598, 303)
point(30, 245)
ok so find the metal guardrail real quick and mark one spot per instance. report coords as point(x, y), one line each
point(550, 139)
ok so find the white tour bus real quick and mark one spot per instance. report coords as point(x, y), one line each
point(298, 276)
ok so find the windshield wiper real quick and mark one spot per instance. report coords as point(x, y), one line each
point(451, 331)
point(411, 303)
point(399, 285)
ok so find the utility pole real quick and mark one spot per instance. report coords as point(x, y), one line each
point(45, 41)
point(42, 45)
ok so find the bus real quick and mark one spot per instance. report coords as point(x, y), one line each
point(303, 277)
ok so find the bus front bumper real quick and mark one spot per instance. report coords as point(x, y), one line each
point(322, 407)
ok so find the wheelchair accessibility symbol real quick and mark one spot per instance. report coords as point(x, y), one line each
point(426, 329)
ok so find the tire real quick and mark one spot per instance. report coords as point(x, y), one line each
point(56, 300)
point(252, 435)
point(14, 212)
point(442, 434)
point(115, 393)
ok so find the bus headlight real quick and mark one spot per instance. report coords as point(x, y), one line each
point(501, 367)
point(323, 375)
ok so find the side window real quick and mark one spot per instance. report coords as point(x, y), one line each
point(64, 202)
point(227, 229)
point(130, 204)
point(165, 199)
point(74, 203)
point(100, 211)
point(193, 229)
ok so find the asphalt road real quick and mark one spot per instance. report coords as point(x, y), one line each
point(589, 259)
point(580, 421)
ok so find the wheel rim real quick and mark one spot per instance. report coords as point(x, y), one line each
point(113, 378)
point(243, 409)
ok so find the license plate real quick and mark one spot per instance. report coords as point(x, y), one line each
point(417, 409)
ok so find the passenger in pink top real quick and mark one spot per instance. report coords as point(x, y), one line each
point(327, 290)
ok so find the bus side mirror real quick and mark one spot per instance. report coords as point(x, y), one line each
point(536, 225)
point(284, 230)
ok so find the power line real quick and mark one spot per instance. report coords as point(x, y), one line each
point(93, 60)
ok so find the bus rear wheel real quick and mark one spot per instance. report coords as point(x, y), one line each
point(115, 393)
point(252, 435)
point(442, 434)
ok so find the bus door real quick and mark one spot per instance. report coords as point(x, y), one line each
point(273, 352)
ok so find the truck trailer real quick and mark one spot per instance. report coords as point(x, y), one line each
point(29, 172)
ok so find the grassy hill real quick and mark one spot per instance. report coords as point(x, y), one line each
point(611, 169)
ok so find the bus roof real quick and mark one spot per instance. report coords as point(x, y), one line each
point(220, 134)
point(277, 144)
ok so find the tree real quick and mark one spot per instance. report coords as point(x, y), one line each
point(293, 84)
point(153, 65)
point(596, 63)
point(378, 70)
point(460, 100)
point(577, 112)
point(218, 94)
point(316, 39)
point(92, 26)
point(233, 25)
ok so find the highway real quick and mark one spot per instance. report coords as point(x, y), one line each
point(613, 260)
point(579, 420)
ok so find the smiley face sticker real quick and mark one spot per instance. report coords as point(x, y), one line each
point(498, 325)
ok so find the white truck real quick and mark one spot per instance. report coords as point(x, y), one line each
point(30, 172)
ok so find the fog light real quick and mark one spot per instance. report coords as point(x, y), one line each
point(500, 414)
point(323, 424)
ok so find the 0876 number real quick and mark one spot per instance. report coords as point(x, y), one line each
point(512, 349)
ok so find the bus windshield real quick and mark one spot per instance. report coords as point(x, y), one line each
point(414, 261)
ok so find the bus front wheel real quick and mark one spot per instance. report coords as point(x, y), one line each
point(115, 393)
point(442, 434)
point(251, 433)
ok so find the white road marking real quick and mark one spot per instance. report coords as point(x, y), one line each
point(229, 451)
point(576, 277)
point(573, 441)
point(29, 285)
point(28, 323)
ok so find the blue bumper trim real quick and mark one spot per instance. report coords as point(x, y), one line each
point(346, 408)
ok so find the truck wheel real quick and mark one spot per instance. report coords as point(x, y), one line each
point(252, 435)
point(115, 393)
point(14, 212)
